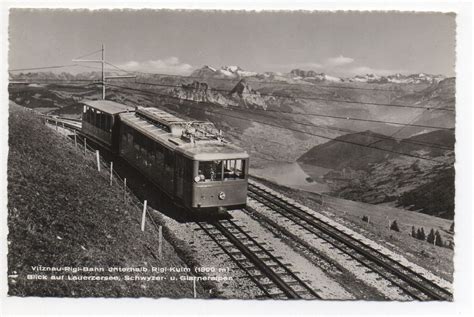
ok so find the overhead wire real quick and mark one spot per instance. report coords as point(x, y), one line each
point(303, 98)
point(292, 129)
point(260, 93)
point(314, 114)
point(118, 68)
point(378, 136)
point(88, 54)
point(237, 79)
point(43, 67)
point(273, 95)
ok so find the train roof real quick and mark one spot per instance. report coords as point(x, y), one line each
point(107, 106)
point(194, 139)
point(212, 151)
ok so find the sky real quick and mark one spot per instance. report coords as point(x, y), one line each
point(177, 42)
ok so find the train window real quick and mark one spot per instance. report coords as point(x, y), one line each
point(103, 122)
point(97, 118)
point(229, 169)
point(92, 119)
point(107, 124)
point(240, 168)
point(233, 169)
point(210, 171)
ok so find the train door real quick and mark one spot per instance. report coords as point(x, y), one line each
point(179, 175)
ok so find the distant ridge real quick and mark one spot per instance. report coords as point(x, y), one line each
point(338, 155)
point(298, 75)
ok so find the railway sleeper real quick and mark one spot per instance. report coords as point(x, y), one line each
point(263, 251)
point(279, 294)
point(290, 283)
point(270, 258)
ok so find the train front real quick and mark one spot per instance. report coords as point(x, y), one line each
point(219, 176)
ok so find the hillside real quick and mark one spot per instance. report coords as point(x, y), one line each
point(345, 151)
point(373, 176)
point(62, 212)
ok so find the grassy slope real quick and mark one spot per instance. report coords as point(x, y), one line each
point(62, 212)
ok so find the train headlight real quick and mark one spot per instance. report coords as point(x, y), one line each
point(197, 179)
point(221, 195)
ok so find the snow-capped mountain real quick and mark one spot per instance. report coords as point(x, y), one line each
point(420, 78)
point(311, 75)
point(223, 72)
point(296, 76)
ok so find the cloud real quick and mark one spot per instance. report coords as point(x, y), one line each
point(338, 61)
point(170, 65)
point(362, 70)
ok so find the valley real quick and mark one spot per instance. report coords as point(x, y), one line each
point(366, 138)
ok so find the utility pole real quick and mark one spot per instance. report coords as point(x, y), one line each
point(103, 74)
point(103, 62)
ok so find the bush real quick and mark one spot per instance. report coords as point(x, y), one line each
point(438, 239)
point(420, 234)
point(451, 228)
point(431, 237)
point(365, 219)
point(394, 226)
point(450, 245)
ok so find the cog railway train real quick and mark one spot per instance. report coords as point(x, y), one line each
point(188, 160)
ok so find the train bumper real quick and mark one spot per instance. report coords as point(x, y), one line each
point(219, 194)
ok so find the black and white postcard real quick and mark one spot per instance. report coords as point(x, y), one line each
point(273, 156)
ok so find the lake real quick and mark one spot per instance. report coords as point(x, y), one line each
point(292, 175)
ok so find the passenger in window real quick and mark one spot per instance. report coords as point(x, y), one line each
point(201, 176)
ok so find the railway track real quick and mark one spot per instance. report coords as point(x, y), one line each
point(274, 278)
point(70, 124)
point(412, 283)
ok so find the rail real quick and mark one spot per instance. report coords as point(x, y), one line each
point(411, 282)
point(267, 264)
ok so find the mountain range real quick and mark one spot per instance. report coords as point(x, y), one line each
point(299, 75)
point(235, 72)
point(277, 122)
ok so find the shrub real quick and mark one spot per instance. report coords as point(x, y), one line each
point(394, 226)
point(431, 237)
point(450, 245)
point(438, 239)
point(365, 218)
point(451, 228)
point(420, 234)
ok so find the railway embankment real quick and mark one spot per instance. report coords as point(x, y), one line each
point(374, 221)
point(71, 234)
